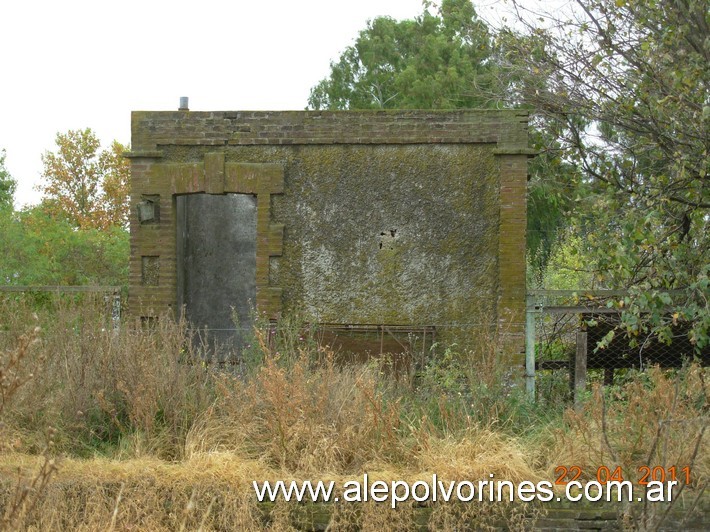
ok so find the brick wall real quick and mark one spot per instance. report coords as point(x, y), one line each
point(473, 162)
point(234, 128)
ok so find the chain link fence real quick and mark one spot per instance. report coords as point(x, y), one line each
point(577, 337)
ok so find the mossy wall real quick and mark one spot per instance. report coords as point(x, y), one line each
point(387, 218)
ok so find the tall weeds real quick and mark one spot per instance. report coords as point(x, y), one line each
point(105, 389)
point(146, 397)
point(16, 370)
point(303, 414)
point(653, 427)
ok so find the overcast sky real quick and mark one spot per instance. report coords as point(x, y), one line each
point(70, 64)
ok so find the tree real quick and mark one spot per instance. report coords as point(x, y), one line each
point(7, 185)
point(39, 248)
point(440, 61)
point(86, 185)
point(447, 60)
point(552, 186)
point(116, 184)
point(628, 82)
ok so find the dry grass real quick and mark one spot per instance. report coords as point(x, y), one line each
point(210, 491)
point(147, 436)
point(15, 372)
point(143, 494)
point(656, 419)
point(103, 388)
point(302, 418)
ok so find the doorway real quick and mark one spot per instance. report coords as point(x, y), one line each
point(216, 268)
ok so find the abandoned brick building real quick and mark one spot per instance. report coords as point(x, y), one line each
point(397, 221)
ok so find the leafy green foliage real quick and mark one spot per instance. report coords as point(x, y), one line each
point(628, 80)
point(77, 235)
point(440, 61)
point(7, 184)
point(39, 249)
point(567, 267)
point(552, 188)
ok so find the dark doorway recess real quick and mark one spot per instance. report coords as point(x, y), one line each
point(216, 267)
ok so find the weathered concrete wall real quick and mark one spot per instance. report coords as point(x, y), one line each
point(390, 234)
point(400, 218)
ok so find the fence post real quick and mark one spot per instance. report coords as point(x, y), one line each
point(580, 369)
point(116, 310)
point(530, 348)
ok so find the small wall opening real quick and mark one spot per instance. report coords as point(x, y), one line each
point(387, 239)
point(150, 270)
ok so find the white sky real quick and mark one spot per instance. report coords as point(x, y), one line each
point(70, 64)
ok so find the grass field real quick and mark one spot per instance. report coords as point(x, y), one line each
point(130, 429)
